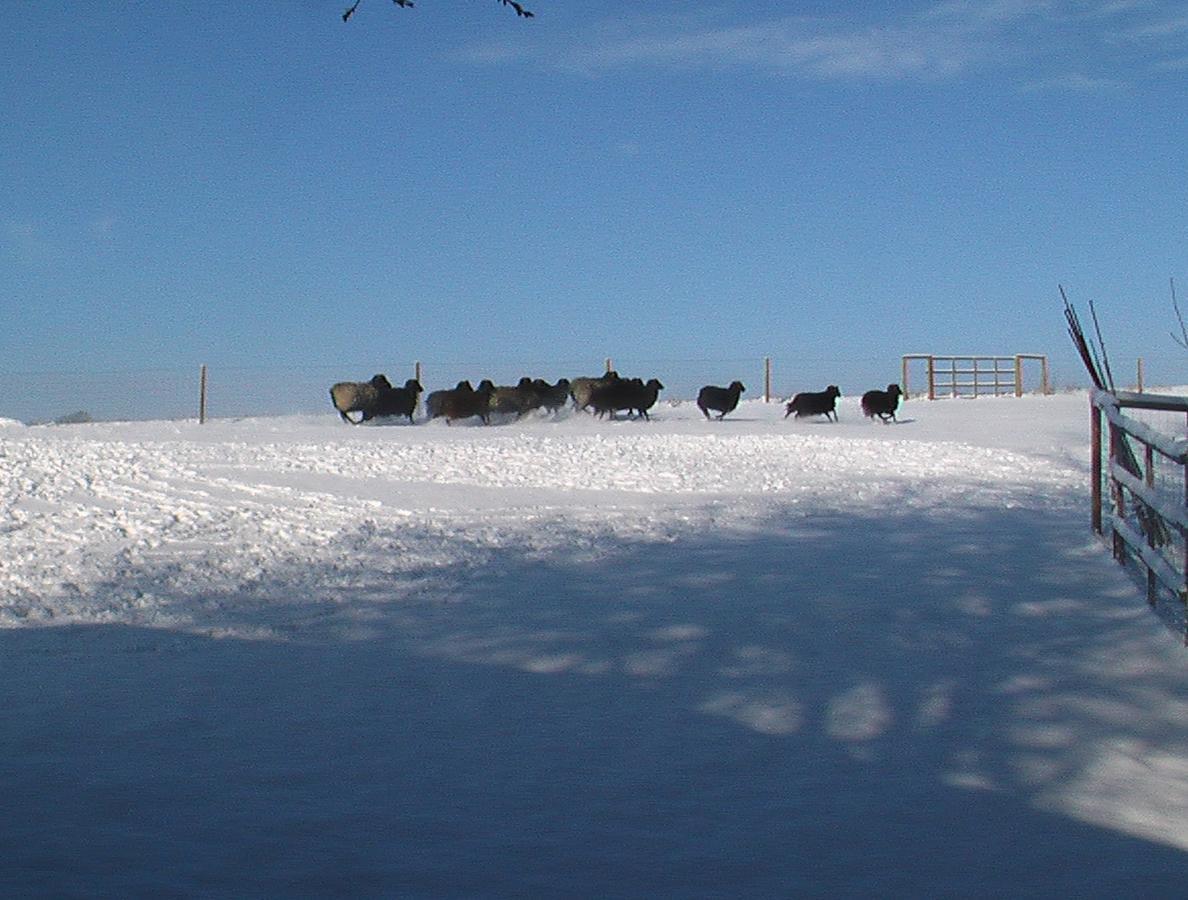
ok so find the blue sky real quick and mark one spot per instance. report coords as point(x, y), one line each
point(263, 185)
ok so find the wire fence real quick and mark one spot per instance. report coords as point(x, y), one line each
point(258, 390)
point(281, 389)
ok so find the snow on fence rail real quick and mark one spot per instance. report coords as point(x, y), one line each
point(973, 376)
point(1147, 516)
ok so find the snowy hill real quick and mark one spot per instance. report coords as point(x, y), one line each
point(756, 657)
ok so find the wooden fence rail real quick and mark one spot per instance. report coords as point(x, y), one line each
point(1145, 521)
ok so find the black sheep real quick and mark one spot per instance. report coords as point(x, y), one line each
point(820, 403)
point(551, 397)
point(882, 403)
point(582, 389)
point(626, 394)
point(436, 400)
point(514, 400)
point(646, 398)
point(399, 401)
point(721, 400)
point(462, 402)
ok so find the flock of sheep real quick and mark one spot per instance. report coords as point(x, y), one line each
point(607, 394)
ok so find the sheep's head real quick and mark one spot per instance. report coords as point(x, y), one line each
point(833, 391)
point(737, 386)
point(413, 385)
point(893, 390)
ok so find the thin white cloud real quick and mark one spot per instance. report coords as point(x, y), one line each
point(791, 46)
point(972, 13)
point(1029, 38)
point(1075, 81)
point(1158, 29)
point(1121, 7)
point(28, 244)
point(103, 228)
point(36, 244)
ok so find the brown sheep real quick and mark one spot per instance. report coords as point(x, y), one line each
point(359, 396)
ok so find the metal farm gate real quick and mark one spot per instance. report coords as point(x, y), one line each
point(1143, 470)
point(974, 376)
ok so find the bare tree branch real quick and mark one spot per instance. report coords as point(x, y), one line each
point(1182, 339)
point(520, 11)
point(404, 4)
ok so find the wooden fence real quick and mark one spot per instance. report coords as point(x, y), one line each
point(1147, 514)
point(974, 376)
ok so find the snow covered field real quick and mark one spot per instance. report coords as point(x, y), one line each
point(750, 658)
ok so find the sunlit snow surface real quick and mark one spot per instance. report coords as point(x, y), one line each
point(756, 657)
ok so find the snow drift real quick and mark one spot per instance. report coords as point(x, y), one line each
point(684, 658)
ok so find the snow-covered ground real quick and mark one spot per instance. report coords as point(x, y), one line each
point(750, 658)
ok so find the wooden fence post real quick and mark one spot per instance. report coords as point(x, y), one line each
point(767, 379)
point(1095, 464)
point(417, 371)
point(1140, 375)
point(202, 395)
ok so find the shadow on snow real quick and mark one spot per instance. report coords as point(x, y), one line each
point(895, 705)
